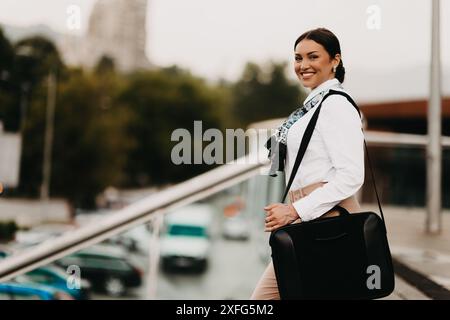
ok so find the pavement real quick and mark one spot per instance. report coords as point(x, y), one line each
point(421, 261)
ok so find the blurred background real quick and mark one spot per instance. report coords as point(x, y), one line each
point(91, 91)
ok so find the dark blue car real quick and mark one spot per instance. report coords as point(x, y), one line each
point(19, 291)
point(56, 277)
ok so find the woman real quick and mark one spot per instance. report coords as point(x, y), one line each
point(332, 169)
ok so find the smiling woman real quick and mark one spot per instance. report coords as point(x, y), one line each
point(332, 167)
point(318, 58)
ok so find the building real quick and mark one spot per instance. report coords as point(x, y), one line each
point(401, 171)
point(408, 116)
point(117, 29)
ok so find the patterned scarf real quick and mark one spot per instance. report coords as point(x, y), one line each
point(277, 143)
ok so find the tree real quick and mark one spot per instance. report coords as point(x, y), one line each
point(35, 58)
point(91, 142)
point(105, 66)
point(8, 231)
point(90, 145)
point(162, 101)
point(262, 94)
point(8, 110)
point(22, 68)
point(6, 56)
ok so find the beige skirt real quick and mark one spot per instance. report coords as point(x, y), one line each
point(351, 203)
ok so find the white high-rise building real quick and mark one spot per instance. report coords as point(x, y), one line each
point(117, 28)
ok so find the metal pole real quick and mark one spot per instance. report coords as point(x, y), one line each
point(48, 142)
point(434, 148)
point(152, 276)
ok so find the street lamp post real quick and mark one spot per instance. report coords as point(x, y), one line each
point(434, 148)
point(48, 139)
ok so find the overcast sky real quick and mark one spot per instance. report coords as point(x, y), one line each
point(215, 38)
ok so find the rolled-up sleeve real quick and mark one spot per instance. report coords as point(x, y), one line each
point(339, 125)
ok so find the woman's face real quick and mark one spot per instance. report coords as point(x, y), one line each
point(313, 64)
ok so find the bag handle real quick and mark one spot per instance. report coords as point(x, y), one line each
point(307, 137)
point(342, 210)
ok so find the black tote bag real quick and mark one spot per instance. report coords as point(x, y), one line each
point(343, 257)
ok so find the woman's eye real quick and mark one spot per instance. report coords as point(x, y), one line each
point(298, 59)
point(313, 57)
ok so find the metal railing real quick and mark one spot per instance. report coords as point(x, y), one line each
point(401, 139)
point(133, 215)
point(178, 195)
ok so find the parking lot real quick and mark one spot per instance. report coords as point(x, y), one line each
point(233, 270)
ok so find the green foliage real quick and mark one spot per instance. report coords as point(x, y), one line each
point(6, 54)
point(90, 146)
point(162, 101)
point(35, 58)
point(8, 231)
point(8, 110)
point(105, 66)
point(23, 67)
point(115, 130)
point(8, 91)
point(263, 94)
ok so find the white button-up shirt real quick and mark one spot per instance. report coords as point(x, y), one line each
point(335, 154)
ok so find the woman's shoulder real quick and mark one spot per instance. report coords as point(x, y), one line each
point(338, 94)
point(338, 103)
point(337, 108)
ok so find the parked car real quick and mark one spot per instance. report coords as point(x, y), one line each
point(236, 227)
point(186, 241)
point(108, 269)
point(41, 233)
point(4, 252)
point(20, 291)
point(51, 276)
point(124, 241)
point(56, 277)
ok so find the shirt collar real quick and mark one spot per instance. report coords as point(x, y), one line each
point(322, 87)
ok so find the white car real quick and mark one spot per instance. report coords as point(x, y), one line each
point(186, 241)
point(235, 227)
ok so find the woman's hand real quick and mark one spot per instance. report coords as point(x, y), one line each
point(278, 215)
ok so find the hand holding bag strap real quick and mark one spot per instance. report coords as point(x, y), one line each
point(307, 137)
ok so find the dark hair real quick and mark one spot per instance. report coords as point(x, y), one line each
point(331, 44)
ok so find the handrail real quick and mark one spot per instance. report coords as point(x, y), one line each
point(133, 215)
point(178, 195)
point(376, 138)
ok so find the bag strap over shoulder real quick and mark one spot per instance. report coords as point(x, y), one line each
point(307, 137)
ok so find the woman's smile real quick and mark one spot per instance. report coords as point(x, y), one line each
point(313, 64)
point(306, 75)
